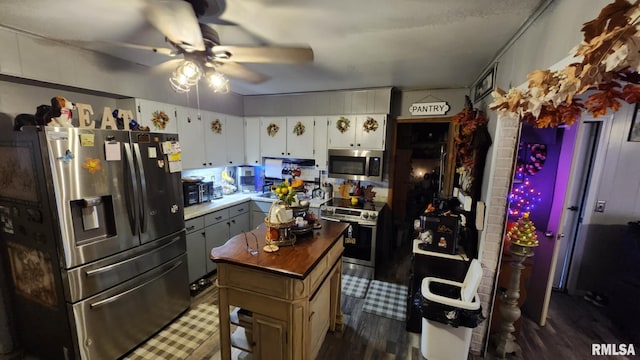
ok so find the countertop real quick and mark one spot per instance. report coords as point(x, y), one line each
point(292, 261)
point(194, 211)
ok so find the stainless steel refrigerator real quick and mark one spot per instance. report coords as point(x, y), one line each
point(92, 237)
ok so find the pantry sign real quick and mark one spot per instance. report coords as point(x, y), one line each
point(430, 108)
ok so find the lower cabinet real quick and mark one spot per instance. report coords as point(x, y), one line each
point(212, 230)
point(273, 337)
point(259, 211)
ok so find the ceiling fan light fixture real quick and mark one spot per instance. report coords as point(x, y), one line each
point(177, 85)
point(218, 82)
point(188, 72)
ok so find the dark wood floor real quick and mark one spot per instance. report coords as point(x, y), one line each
point(572, 327)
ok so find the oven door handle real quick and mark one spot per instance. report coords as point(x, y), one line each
point(330, 219)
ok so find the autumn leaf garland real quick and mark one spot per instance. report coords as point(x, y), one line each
point(611, 55)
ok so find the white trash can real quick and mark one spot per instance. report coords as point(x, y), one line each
point(448, 322)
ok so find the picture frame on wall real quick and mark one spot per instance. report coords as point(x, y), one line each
point(485, 85)
point(634, 132)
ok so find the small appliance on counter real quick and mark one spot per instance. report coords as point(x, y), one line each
point(246, 179)
point(196, 191)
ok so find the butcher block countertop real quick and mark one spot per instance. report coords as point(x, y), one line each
point(295, 261)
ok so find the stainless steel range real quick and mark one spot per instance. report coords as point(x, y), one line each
point(363, 235)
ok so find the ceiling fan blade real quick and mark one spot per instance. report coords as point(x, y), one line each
point(241, 72)
point(166, 67)
point(159, 50)
point(177, 22)
point(264, 54)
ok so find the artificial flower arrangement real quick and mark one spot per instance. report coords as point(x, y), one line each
point(467, 122)
point(272, 129)
point(343, 124)
point(370, 125)
point(299, 128)
point(610, 58)
point(160, 119)
point(216, 126)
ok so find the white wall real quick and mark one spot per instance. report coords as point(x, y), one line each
point(547, 41)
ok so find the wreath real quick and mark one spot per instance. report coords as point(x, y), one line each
point(536, 159)
point(299, 128)
point(343, 124)
point(160, 119)
point(272, 129)
point(216, 126)
point(467, 122)
point(370, 125)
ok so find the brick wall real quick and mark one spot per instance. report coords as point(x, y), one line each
point(504, 146)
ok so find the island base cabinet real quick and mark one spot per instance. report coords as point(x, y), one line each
point(273, 338)
point(319, 317)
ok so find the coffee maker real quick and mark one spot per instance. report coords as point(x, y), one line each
point(246, 179)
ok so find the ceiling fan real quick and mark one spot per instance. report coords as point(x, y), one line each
point(201, 48)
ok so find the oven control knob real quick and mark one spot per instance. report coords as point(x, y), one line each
point(373, 215)
point(365, 215)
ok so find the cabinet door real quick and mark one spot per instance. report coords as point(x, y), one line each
point(300, 137)
point(320, 142)
point(10, 56)
point(190, 131)
point(215, 235)
point(239, 224)
point(319, 318)
point(343, 136)
point(252, 140)
point(273, 136)
point(368, 138)
point(165, 115)
point(195, 249)
point(215, 130)
point(235, 140)
point(270, 336)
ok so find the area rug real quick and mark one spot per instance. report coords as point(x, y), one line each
point(354, 286)
point(386, 299)
point(180, 338)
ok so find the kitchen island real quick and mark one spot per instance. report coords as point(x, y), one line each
point(292, 295)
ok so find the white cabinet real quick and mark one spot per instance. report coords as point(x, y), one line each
point(365, 132)
point(320, 142)
point(273, 136)
point(224, 139)
point(287, 137)
point(159, 117)
point(190, 126)
point(252, 141)
point(235, 140)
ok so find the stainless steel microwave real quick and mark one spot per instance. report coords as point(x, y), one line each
point(364, 165)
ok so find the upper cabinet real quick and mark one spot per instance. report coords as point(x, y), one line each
point(366, 132)
point(252, 141)
point(159, 117)
point(191, 136)
point(224, 139)
point(320, 142)
point(287, 137)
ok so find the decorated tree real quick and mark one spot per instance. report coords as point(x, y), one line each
point(523, 233)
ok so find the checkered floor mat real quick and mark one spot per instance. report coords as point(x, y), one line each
point(354, 286)
point(181, 337)
point(386, 299)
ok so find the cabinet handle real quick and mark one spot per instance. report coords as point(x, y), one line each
point(358, 144)
point(351, 145)
point(218, 217)
point(233, 221)
point(191, 227)
point(204, 164)
point(230, 162)
point(288, 153)
point(311, 315)
point(228, 223)
point(282, 153)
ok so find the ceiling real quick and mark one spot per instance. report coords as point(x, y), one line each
point(409, 44)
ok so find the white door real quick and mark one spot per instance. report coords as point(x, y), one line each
point(215, 130)
point(273, 136)
point(235, 140)
point(191, 135)
point(342, 132)
point(300, 137)
point(252, 140)
point(370, 131)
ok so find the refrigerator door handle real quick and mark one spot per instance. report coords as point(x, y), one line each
point(131, 203)
point(143, 183)
point(117, 296)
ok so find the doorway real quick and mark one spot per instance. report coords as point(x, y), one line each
point(422, 170)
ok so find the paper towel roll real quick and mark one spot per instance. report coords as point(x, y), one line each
point(273, 168)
